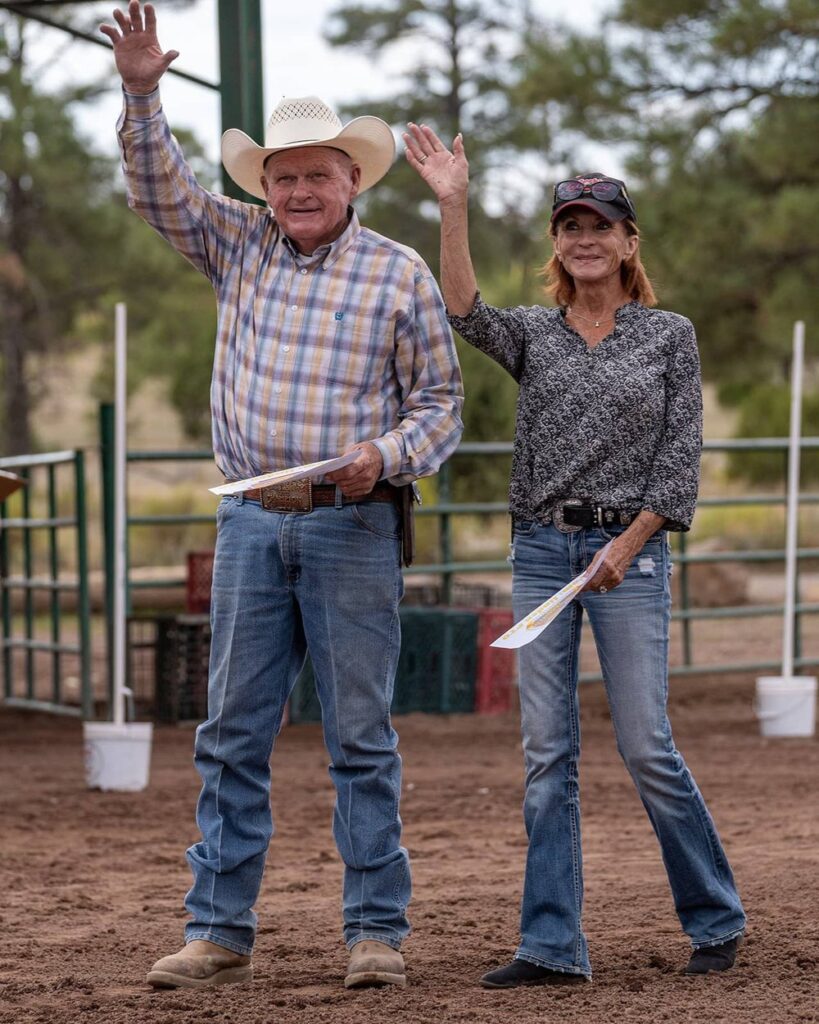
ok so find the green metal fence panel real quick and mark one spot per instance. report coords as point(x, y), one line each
point(48, 693)
point(446, 568)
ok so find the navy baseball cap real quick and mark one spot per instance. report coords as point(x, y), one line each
point(594, 191)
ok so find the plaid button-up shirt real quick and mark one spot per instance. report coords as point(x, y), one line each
point(313, 353)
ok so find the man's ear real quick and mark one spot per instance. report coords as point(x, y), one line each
point(355, 175)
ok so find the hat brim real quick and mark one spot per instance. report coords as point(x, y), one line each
point(368, 141)
point(608, 210)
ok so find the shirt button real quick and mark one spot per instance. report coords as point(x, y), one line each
point(273, 433)
point(301, 272)
point(278, 389)
point(294, 308)
point(286, 348)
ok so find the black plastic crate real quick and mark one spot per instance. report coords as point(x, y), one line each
point(182, 657)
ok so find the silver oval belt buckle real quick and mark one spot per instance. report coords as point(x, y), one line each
point(557, 516)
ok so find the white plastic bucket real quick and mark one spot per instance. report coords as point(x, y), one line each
point(786, 706)
point(117, 756)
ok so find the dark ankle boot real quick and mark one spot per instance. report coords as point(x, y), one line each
point(714, 958)
point(521, 972)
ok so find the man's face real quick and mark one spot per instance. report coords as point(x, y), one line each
point(309, 191)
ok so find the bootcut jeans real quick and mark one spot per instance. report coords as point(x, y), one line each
point(328, 581)
point(631, 630)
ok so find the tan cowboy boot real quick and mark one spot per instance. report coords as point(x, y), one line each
point(200, 964)
point(374, 963)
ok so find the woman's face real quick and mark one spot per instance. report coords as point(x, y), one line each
point(590, 247)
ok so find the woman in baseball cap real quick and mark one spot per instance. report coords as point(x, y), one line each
point(607, 449)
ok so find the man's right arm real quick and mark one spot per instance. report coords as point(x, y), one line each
point(161, 187)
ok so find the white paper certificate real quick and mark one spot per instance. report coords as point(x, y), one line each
point(286, 475)
point(528, 629)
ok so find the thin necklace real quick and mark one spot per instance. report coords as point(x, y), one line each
point(589, 319)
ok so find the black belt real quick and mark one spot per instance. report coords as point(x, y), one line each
point(580, 513)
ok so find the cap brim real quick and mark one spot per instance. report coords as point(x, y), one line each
point(608, 210)
point(368, 141)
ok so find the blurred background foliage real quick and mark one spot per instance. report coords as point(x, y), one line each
point(709, 106)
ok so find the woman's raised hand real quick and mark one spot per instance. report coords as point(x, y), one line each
point(446, 173)
point(139, 57)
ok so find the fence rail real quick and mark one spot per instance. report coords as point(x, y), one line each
point(446, 567)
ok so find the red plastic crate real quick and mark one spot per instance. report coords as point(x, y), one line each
point(198, 583)
point(497, 668)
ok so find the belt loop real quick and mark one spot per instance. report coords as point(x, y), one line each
point(240, 498)
point(339, 497)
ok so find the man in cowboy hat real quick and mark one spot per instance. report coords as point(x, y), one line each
point(330, 338)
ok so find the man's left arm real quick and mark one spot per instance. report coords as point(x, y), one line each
point(429, 420)
point(426, 365)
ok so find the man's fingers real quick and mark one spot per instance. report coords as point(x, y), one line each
point(169, 58)
point(111, 32)
point(150, 18)
point(123, 22)
point(136, 16)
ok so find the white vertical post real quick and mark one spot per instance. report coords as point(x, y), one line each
point(120, 511)
point(792, 527)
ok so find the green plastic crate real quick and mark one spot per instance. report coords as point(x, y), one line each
point(437, 667)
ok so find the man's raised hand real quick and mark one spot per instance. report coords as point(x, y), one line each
point(138, 55)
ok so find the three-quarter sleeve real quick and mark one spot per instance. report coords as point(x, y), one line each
point(674, 476)
point(500, 333)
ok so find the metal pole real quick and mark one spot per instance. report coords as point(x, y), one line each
point(685, 598)
point(54, 566)
point(120, 512)
point(83, 601)
point(106, 422)
point(240, 61)
point(792, 529)
point(444, 495)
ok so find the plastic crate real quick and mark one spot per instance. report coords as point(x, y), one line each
point(438, 662)
point(436, 668)
point(497, 668)
point(198, 582)
point(182, 658)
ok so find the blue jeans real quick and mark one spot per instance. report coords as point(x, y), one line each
point(631, 630)
point(328, 581)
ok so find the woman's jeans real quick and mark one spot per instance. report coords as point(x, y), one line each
point(631, 629)
point(330, 581)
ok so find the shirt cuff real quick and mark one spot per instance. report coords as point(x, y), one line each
point(392, 454)
point(474, 316)
point(141, 107)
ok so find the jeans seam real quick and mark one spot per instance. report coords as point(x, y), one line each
point(709, 943)
point(573, 787)
point(394, 941)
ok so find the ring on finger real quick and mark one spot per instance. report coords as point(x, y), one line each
point(421, 159)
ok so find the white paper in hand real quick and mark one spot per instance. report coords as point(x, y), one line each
point(528, 629)
point(286, 475)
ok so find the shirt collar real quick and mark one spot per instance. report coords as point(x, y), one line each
point(327, 255)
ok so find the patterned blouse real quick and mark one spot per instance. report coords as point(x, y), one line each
point(619, 424)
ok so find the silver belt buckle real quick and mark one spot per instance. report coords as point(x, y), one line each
point(557, 515)
point(291, 496)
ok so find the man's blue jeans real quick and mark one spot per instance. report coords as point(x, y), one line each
point(631, 630)
point(328, 580)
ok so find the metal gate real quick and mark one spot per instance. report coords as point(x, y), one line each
point(39, 638)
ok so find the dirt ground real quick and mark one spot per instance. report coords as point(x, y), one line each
point(92, 883)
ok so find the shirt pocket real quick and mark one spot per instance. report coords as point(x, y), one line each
point(359, 356)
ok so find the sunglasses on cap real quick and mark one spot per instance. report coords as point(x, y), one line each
point(605, 190)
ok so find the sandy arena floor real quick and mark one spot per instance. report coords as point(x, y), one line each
point(92, 883)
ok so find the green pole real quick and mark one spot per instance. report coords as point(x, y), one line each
point(444, 496)
point(241, 88)
point(6, 603)
point(107, 491)
point(83, 602)
point(54, 565)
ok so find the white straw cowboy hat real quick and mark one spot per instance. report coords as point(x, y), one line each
point(300, 121)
